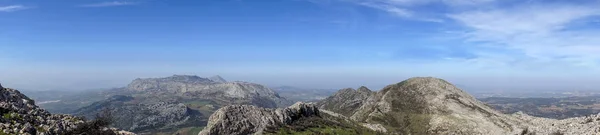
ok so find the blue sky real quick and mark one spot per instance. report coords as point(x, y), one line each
point(484, 45)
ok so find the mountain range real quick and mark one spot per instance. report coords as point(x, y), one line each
point(184, 104)
point(420, 105)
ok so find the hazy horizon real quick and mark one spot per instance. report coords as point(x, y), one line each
point(481, 45)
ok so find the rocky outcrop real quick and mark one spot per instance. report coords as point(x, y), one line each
point(247, 119)
point(346, 101)
point(219, 90)
point(20, 115)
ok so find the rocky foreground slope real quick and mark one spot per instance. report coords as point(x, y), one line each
point(421, 105)
point(20, 115)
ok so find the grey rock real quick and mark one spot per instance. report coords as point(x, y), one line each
point(247, 119)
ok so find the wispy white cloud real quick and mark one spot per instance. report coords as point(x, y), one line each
point(466, 2)
point(409, 3)
point(411, 9)
point(401, 12)
point(396, 8)
point(510, 33)
point(109, 4)
point(12, 8)
point(542, 34)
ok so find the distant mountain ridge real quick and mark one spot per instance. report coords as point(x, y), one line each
point(221, 90)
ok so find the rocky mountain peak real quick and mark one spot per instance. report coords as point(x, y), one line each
point(248, 119)
point(436, 85)
point(346, 90)
point(218, 79)
point(364, 89)
point(1, 86)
